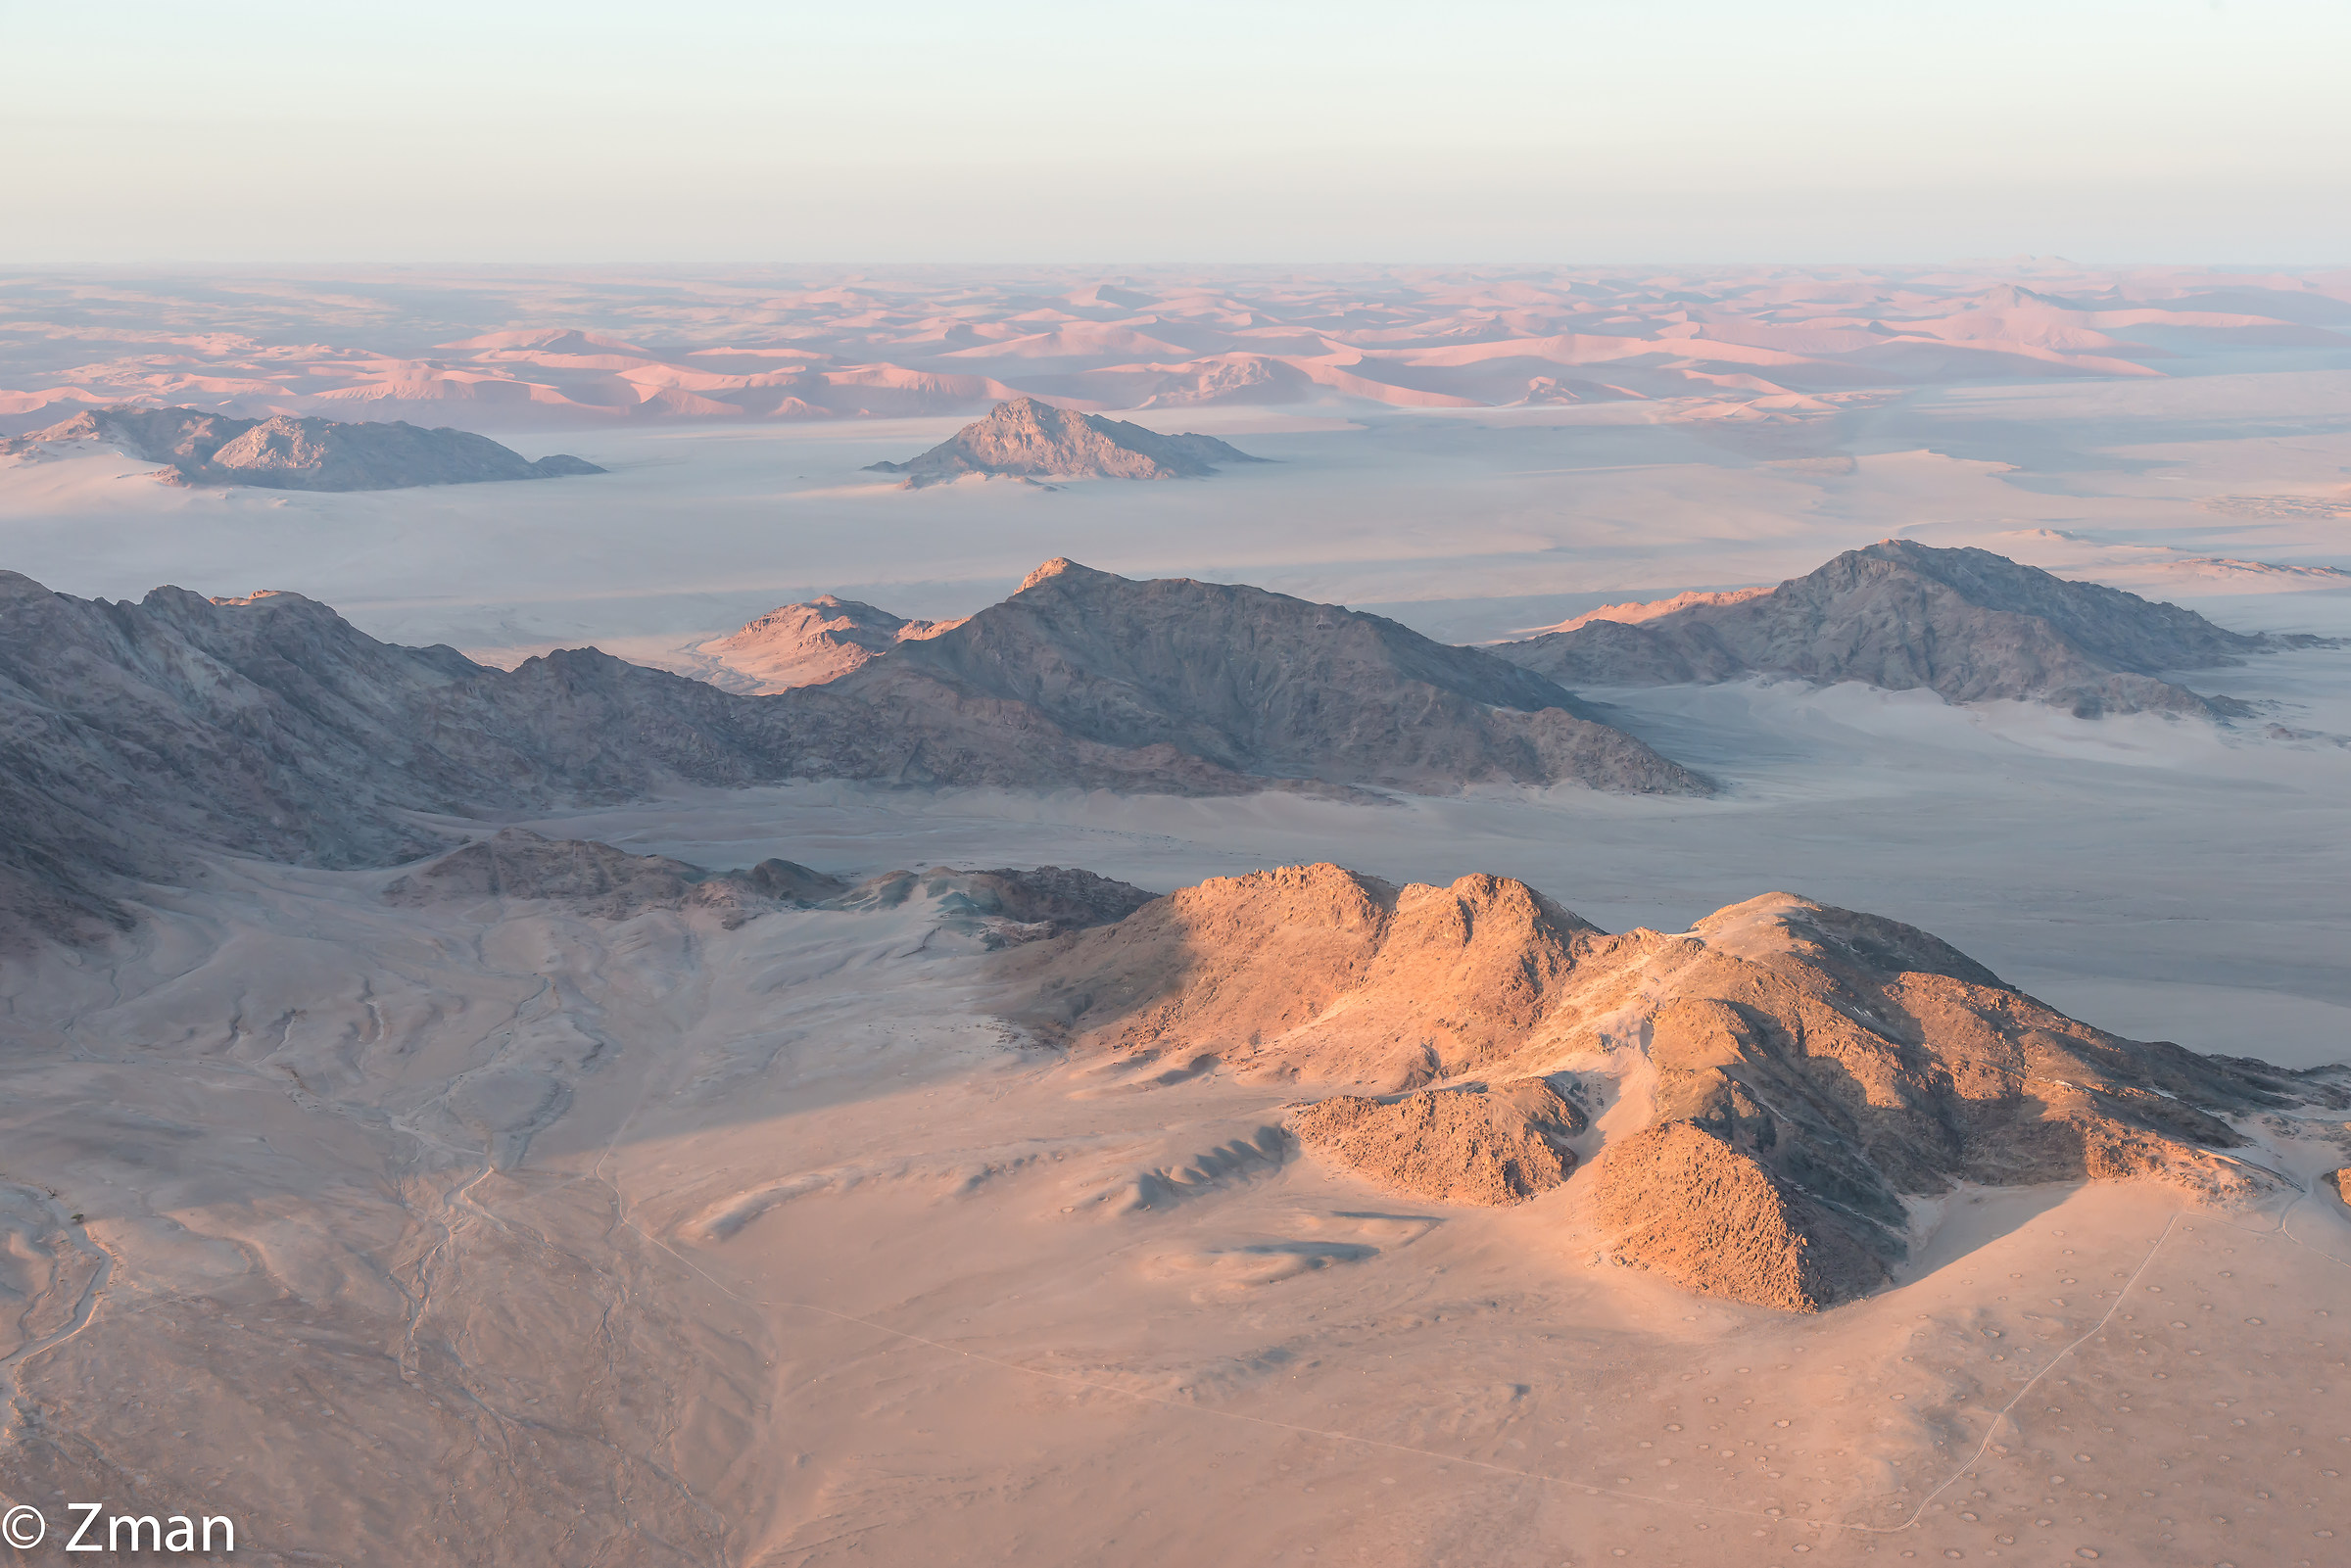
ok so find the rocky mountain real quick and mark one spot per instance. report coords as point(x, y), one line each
point(1265, 685)
point(1027, 439)
point(1783, 1078)
point(804, 645)
point(132, 735)
point(1470, 1143)
point(1966, 624)
point(285, 452)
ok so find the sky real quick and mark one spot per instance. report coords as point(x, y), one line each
point(1196, 131)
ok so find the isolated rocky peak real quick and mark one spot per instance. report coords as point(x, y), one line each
point(1801, 1071)
point(1966, 624)
point(1263, 682)
point(288, 453)
point(1058, 566)
point(1030, 439)
point(805, 644)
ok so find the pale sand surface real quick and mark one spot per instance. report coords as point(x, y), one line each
point(505, 1236)
point(534, 1239)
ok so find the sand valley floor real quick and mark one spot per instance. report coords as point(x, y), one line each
point(490, 1230)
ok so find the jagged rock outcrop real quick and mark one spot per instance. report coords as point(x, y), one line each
point(600, 881)
point(1267, 684)
point(286, 453)
point(1316, 974)
point(1469, 1144)
point(1026, 439)
point(1006, 907)
point(1800, 1071)
point(1966, 624)
point(805, 644)
point(1712, 1219)
point(133, 734)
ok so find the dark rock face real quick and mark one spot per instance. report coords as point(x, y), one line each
point(1063, 897)
point(518, 863)
point(1267, 684)
point(131, 731)
point(1005, 907)
point(131, 734)
point(1031, 439)
point(606, 884)
point(1966, 624)
point(284, 452)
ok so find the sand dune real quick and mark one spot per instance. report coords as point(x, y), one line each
point(886, 347)
point(657, 1170)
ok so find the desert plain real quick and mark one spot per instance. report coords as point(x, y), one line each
point(503, 1229)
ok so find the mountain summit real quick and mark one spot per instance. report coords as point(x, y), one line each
point(1965, 624)
point(1026, 439)
point(1789, 1078)
point(1266, 685)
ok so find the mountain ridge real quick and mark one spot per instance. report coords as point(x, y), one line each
point(135, 735)
point(288, 451)
point(1244, 678)
point(1966, 624)
point(1793, 1073)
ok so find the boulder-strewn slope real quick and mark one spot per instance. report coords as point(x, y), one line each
point(133, 733)
point(285, 452)
point(1794, 1072)
point(1026, 439)
point(1471, 1144)
point(1964, 623)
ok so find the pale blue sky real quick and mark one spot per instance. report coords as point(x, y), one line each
point(1270, 131)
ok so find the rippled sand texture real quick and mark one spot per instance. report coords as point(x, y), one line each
point(530, 1237)
point(495, 1232)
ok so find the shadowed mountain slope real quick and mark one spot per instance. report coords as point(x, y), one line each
point(131, 734)
point(1966, 624)
point(286, 453)
point(1027, 439)
point(1783, 1076)
point(1268, 684)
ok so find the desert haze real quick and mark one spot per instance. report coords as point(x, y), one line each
point(1398, 916)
